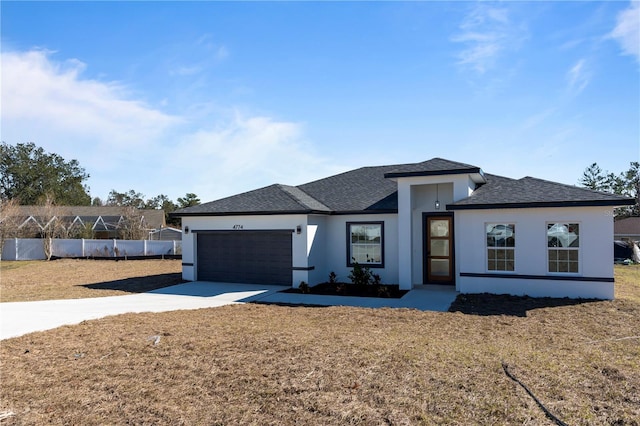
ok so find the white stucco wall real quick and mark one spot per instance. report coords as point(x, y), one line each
point(423, 198)
point(595, 256)
point(322, 244)
point(336, 247)
point(317, 248)
point(417, 195)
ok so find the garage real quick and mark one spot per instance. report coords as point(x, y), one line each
point(257, 257)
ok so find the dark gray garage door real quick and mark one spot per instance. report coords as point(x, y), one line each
point(262, 257)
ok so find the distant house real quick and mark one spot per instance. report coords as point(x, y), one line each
point(105, 222)
point(435, 222)
point(627, 228)
point(166, 234)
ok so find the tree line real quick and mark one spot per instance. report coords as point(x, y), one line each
point(31, 176)
point(626, 183)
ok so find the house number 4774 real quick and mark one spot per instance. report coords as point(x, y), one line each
point(237, 226)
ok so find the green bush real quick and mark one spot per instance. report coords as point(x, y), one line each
point(360, 275)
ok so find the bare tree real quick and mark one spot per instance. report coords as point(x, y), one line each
point(53, 225)
point(77, 230)
point(9, 220)
point(132, 225)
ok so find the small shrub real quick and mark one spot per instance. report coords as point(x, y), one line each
point(360, 275)
point(304, 287)
point(333, 278)
point(341, 288)
point(376, 279)
point(383, 291)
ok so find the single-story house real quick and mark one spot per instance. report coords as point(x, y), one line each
point(166, 234)
point(104, 222)
point(627, 228)
point(435, 222)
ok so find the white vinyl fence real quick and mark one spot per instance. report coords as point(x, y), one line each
point(33, 248)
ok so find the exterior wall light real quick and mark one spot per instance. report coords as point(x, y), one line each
point(437, 204)
point(186, 229)
point(298, 229)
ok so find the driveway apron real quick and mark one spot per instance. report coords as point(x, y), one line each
point(18, 318)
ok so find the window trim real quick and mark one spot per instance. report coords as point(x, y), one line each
point(487, 247)
point(578, 249)
point(382, 241)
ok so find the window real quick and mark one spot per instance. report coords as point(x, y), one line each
point(364, 243)
point(501, 243)
point(563, 246)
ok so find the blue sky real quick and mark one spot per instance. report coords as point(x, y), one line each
point(218, 98)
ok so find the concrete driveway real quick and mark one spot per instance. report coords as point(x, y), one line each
point(18, 318)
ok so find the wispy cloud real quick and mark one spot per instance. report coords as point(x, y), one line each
point(487, 32)
point(195, 57)
point(39, 92)
point(578, 77)
point(627, 30)
point(248, 151)
point(186, 70)
point(125, 143)
point(535, 120)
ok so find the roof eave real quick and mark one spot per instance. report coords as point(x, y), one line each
point(380, 211)
point(473, 171)
point(248, 213)
point(530, 205)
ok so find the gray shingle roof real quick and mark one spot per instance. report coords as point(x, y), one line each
point(501, 192)
point(435, 166)
point(369, 190)
point(272, 199)
point(153, 217)
point(363, 189)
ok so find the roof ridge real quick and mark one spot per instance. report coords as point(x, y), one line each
point(312, 197)
point(284, 188)
point(287, 190)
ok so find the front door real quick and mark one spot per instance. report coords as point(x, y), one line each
point(438, 249)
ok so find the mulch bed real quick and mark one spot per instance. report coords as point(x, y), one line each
point(391, 291)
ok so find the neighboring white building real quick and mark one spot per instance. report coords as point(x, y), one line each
point(435, 222)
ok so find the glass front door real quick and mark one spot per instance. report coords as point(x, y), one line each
point(438, 250)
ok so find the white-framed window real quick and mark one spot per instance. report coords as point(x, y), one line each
point(501, 246)
point(563, 247)
point(365, 243)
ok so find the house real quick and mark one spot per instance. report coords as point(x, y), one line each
point(100, 222)
point(436, 222)
point(627, 228)
point(166, 234)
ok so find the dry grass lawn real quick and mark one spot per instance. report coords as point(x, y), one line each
point(22, 281)
point(274, 365)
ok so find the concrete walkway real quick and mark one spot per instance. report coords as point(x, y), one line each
point(436, 298)
point(19, 318)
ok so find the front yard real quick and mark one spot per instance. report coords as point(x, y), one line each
point(22, 281)
point(257, 364)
